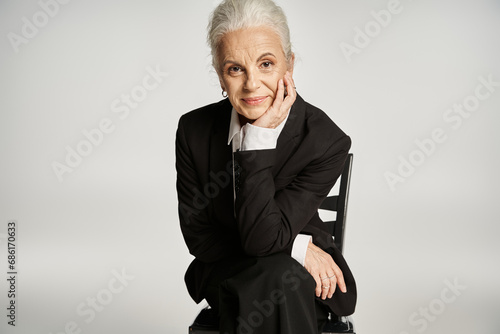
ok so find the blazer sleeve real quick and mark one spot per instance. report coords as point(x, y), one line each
point(207, 241)
point(268, 219)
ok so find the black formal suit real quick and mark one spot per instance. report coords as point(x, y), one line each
point(278, 191)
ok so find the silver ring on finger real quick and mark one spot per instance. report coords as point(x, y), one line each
point(326, 286)
point(332, 276)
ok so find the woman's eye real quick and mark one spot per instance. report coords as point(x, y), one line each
point(267, 64)
point(234, 69)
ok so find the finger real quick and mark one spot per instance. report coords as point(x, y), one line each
point(333, 284)
point(341, 282)
point(326, 287)
point(318, 285)
point(292, 94)
point(340, 279)
point(285, 102)
point(290, 84)
point(278, 100)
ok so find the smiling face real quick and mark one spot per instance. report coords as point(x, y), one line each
point(251, 63)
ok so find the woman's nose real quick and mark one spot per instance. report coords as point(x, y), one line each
point(252, 82)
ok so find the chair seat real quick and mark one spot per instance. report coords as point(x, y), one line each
point(207, 322)
point(340, 325)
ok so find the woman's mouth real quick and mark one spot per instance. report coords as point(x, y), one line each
point(254, 101)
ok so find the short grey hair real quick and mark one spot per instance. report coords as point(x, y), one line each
point(232, 15)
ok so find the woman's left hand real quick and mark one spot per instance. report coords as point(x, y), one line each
point(324, 270)
point(278, 111)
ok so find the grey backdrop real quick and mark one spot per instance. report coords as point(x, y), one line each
point(99, 250)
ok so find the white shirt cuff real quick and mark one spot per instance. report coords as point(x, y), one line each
point(299, 247)
point(259, 138)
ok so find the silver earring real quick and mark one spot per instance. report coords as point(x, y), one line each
point(224, 92)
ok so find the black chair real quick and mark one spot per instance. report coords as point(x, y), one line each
point(207, 321)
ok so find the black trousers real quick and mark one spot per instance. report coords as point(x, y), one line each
point(265, 295)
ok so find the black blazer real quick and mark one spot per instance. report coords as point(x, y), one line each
point(278, 191)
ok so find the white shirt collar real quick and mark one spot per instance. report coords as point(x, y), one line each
point(234, 126)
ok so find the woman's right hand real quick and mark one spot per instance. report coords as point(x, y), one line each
point(324, 270)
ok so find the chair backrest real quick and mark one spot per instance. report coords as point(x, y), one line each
point(338, 203)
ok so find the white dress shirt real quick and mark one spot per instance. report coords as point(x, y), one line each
point(250, 137)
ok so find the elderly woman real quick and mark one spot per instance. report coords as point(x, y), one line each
point(252, 171)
